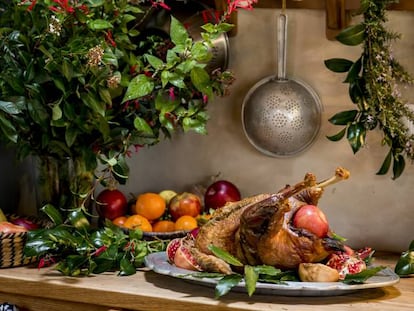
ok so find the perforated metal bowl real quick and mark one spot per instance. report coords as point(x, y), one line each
point(281, 118)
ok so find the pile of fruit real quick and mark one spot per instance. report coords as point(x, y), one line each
point(16, 224)
point(164, 211)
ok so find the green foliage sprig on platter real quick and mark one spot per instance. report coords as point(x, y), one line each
point(374, 82)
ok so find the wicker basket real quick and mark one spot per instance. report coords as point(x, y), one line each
point(12, 246)
point(11, 250)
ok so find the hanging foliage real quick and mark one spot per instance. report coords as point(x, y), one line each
point(374, 82)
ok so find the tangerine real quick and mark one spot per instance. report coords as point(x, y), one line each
point(138, 222)
point(119, 221)
point(150, 205)
point(163, 226)
point(186, 222)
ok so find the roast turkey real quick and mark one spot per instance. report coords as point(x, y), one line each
point(258, 229)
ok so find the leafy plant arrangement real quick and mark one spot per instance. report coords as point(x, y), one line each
point(81, 81)
point(374, 80)
point(266, 274)
point(77, 249)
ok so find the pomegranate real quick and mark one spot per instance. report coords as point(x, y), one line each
point(171, 249)
point(311, 218)
point(26, 223)
point(8, 227)
point(179, 254)
point(183, 259)
point(219, 193)
point(185, 203)
point(346, 264)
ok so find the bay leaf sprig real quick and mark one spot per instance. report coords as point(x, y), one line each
point(374, 82)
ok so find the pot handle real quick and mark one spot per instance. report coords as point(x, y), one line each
point(281, 46)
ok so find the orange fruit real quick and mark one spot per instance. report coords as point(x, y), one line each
point(186, 222)
point(138, 222)
point(150, 205)
point(119, 221)
point(163, 226)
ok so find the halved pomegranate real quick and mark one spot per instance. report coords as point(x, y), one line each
point(171, 249)
point(178, 253)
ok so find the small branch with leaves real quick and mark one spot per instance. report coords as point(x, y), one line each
point(374, 88)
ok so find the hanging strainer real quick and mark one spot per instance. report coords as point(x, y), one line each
point(281, 117)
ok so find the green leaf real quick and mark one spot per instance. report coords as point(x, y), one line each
point(200, 52)
point(386, 164)
point(78, 220)
point(178, 33)
point(352, 35)
point(337, 136)
point(164, 104)
point(398, 166)
point(99, 24)
point(142, 126)
point(227, 257)
point(201, 80)
point(121, 170)
point(355, 90)
point(344, 117)
point(53, 213)
point(411, 247)
point(354, 71)
point(71, 134)
point(139, 86)
point(8, 129)
point(361, 277)
point(338, 64)
point(103, 265)
point(250, 276)
point(126, 267)
point(154, 61)
point(225, 284)
point(268, 270)
point(56, 112)
point(67, 69)
point(174, 78)
point(92, 101)
point(405, 264)
point(9, 107)
point(356, 136)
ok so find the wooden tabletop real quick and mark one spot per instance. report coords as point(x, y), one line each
point(32, 289)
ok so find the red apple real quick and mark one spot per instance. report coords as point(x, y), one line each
point(219, 193)
point(111, 204)
point(311, 218)
point(185, 203)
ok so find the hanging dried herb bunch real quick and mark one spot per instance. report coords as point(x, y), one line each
point(375, 79)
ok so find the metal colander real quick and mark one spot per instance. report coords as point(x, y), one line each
point(281, 117)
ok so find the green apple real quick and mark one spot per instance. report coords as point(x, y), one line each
point(167, 195)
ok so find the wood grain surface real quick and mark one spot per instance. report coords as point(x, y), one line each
point(34, 290)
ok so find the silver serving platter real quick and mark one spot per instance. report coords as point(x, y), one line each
point(158, 263)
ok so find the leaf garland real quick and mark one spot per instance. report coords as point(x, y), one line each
point(374, 80)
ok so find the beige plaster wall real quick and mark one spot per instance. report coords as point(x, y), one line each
point(369, 210)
